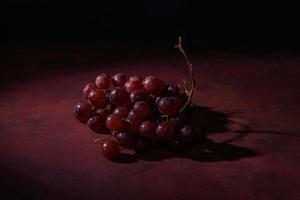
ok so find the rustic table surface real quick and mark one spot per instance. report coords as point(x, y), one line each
point(250, 103)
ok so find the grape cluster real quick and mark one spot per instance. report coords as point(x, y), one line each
point(137, 113)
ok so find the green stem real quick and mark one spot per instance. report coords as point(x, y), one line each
point(190, 92)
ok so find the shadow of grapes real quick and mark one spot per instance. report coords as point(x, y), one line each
point(212, 122)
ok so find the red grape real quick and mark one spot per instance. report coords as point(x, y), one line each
point(97, 98)
point(96, 123)
point(87, 89)
point(122, 111)
point(165, 130)
point(140, 95)
point(110, 148)
point(103, 81)
point(119, 96)
point(169, 105)
point(152, 85)
point(102, 112)
point(115, 122)
point(125, 139)
point(141, 109)
point(118, 80)
point(147, 129)
point(133, 84)
point(82, 111)
point(132, 123)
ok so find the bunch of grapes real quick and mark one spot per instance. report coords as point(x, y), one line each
point(137, 113)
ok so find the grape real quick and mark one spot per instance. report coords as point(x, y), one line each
point(147, 129)
point(141, 109)
point(169, 105)
point(82, 111)
point(110, 148)
point(132, 123)
point(119, 96)
point(97, 98)
point(118, 80)
point(165, 130)
point(140, 95)
point(103, 81)
point(133, 84)
point(125, 139)
point(103, 113)
point(115, 122)
point(87, 89)
point(187, 134)
point(96, 123)
point(152, 85)
point(121, 111)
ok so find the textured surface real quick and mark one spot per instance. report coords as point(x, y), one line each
point(46, 154)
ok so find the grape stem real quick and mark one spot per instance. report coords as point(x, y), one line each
point(190, 92)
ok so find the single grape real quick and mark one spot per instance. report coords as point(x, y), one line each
point(133, 84)
point(176, 145)
point(122, 111)
point(140, 95)
point(102, 112)
point(119, 96)
point(147, 129)
point(187, 134)
point(132, 123)
point(103, 81)
point(110, 148)
point(97, 98)
point(96, 123)
point(82, 111)
point(115, 122)
point(141, 109)
point(125, 139)
point(119, 79)
point(152, 85)
point(165, 130)
point(169, 105)
point(87, 89)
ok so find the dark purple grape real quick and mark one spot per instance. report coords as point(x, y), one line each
point(97, 98)
point(169, 105)
point(125, 139)
point(187, 134)
point(96, 123)
point(119, 96)
point(82, 111)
